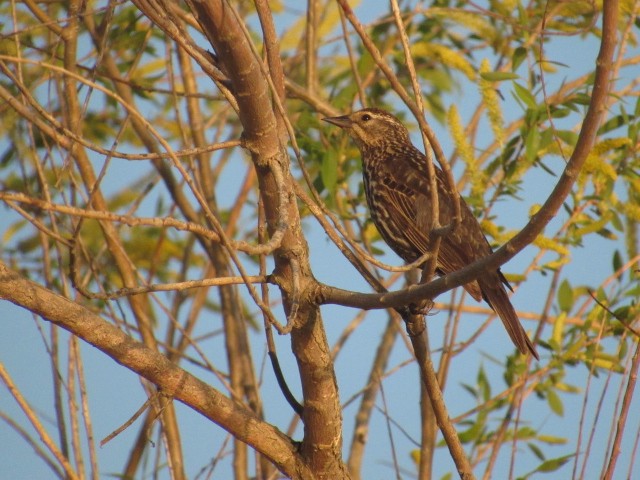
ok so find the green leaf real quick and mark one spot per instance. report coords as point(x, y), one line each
point(552, 440)
point(608, 362)
point(553, 464)
point(472, 391)
point(519, 54)
point(633, 292)
point(555, 403)
point(526, 433)
point(622, 352)
point(525, 95)
point(532, 144)
point(560, 112)
point(617, 261)
point(581, 99)
point(565, 296)
point(329, 171)
point(569, 137)
point(536, 451)
point(483, 385)
point(616, 222)
point(499, 76)
point(612, 124)
point(558, 331)
point(12, 229)
point(623, 314)
point(472, 434)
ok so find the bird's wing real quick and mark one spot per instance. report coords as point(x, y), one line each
point(410, 205)
point(403, 212)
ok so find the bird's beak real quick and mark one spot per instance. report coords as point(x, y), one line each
point(343, 122)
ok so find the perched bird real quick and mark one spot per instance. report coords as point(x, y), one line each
point(397, 188)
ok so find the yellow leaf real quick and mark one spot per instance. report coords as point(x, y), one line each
point(370, 233)
point(491, 102)
point(546, 243)
point(149, 68)
point(472, 21)
point(445, 55)
point(631, 210)
point(592, 226)
point(609, 144)
point(465, 151)
point(608, 363)
point(490, 228)
point(535, 208)
point(558, 328)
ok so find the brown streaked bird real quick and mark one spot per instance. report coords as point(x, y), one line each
point(397, 188)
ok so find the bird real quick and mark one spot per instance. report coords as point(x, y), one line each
point(396, 185)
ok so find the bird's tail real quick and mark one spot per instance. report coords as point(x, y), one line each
point(496, 296)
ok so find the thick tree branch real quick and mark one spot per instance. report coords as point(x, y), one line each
point(172, 380)
point(322, 441)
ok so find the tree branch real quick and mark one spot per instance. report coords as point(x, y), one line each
point(155, 367)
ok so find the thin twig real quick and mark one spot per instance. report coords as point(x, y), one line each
point(624, 413)
point(196, 228)
point(33, 418)
point(624, 323)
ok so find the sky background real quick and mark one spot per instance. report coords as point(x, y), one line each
point(115, 393)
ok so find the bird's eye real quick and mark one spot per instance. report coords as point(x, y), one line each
point(366, 117)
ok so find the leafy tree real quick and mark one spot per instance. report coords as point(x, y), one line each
point(171, 196)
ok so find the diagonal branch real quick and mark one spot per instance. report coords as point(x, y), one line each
point(172, 380)
point(536, 224)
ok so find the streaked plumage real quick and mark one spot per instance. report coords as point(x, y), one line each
point(397, 190)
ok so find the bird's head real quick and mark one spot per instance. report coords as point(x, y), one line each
point(372, 127)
